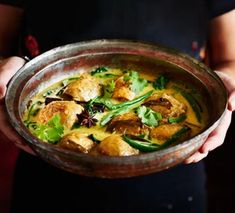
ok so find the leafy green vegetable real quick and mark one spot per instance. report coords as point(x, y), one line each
point(99, 70)
point(160, 83)
point(33, 110)
point(141, 145)
point(50, 132)
point(89, 105)
point(192, 101)
point(148, 116)
point(108, 89)
point(137, 84)
point(172, 120)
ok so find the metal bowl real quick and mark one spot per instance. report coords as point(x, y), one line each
point(71, 59)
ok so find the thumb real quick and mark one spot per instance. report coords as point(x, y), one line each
point(8, 67)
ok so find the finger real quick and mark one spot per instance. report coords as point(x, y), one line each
point(8, 68)
point(216, 138)
point(231, 101)
point(230, 85)
point(196, 157)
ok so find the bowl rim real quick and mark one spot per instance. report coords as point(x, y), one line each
point(31, 140)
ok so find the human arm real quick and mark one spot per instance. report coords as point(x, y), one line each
point(10, 21)
point(221, 55)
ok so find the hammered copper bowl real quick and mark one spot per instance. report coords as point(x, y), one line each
point(71, 59)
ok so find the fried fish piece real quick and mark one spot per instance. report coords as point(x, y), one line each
point(114, 145)
point(67, 110)
point(122, 90)
point(83, 89)
point(166, 104)
point(77, 141)
point(165, 131)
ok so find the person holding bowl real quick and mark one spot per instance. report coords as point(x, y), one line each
point(202, 29)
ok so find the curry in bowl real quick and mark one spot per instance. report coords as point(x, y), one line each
point(116, 112)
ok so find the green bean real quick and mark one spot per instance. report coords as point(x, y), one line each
point(140, 145)
point(132, 102)
point(172, 120)
point(175, 137)
point(150, 147)
point(192, 101)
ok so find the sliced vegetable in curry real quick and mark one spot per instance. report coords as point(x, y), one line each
point(116, 112)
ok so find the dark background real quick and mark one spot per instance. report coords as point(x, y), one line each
point(221, 175)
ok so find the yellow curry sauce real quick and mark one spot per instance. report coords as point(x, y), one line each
point(116, 112)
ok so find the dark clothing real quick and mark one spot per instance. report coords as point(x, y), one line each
point(176, 23)
point(40, 187)
point(180, 24)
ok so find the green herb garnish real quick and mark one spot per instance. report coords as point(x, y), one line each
point(108, 89)
point(148, 116)
point(50, 132)
point(160, 83)
point(99, 70)
point(137, 84)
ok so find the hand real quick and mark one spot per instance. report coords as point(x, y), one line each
point(8, 67)
point(216, 138)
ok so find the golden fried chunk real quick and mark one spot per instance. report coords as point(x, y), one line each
point(114, 145)
point(83, 89)
point(166, 104)
point(122, 90)
point(127, 123)
point(77, 141)
point(165, 131)
point(67, 111)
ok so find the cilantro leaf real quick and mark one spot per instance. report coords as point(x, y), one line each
point(108, 89)
point(148, 116)
point(50, 132)
point(108, 92)
point(137, 84)
point(160, 83)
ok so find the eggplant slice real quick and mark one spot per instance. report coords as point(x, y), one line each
point(127, 123)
